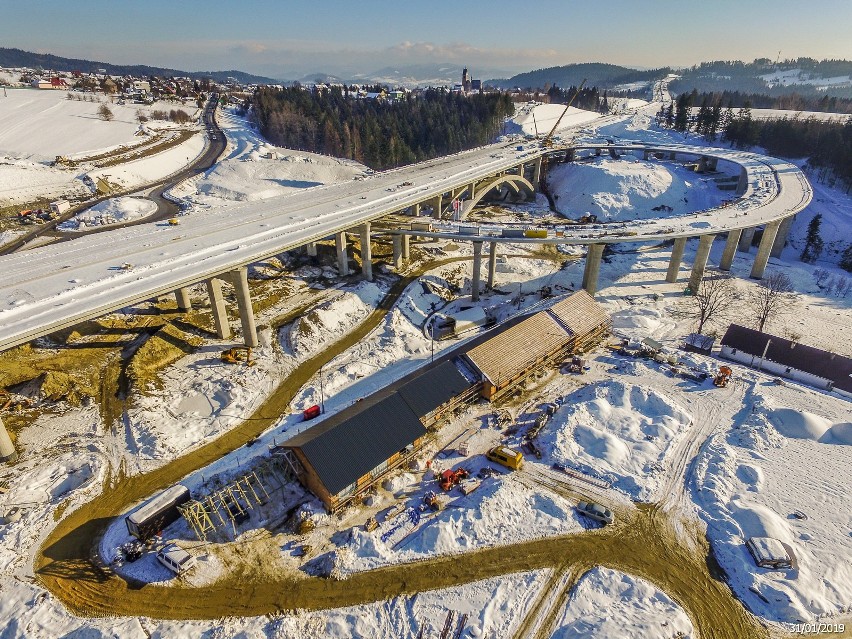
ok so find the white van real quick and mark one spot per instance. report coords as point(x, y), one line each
point(175, 559)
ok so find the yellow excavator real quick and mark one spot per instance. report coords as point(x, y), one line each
point(238, 355)
point(547, 140)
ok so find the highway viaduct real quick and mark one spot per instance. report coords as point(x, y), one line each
point(55, 287)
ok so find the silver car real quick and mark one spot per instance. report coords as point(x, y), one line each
point(596, 512)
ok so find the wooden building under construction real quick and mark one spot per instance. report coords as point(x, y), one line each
point(571, 326)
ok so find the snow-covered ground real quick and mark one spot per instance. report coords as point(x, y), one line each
point(606, 603)
point(743, 480)
point(538, 119)
point(112, 211)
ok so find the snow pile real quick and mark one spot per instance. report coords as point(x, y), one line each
point(629, 189)
point(617, 431)
point(112, 211)
point(328, 321)
point(607, 603)
point(538, 119)
point(501, 511)
point(758, 482)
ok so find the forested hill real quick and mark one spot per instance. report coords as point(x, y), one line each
point(17, 58)
point(378, 133)
point(596, 74)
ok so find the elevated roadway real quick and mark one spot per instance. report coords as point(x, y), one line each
point(50, 288)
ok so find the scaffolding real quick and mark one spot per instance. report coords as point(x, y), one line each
point(231, 504)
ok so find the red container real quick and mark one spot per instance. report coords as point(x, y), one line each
point(311, 412)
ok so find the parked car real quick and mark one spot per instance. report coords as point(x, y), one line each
point(175, 559)
point(596, 512)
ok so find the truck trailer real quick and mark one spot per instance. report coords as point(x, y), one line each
point(158, 513)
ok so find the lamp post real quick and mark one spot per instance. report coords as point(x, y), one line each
point(322, 390)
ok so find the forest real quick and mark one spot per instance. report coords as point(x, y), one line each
point(379, 133)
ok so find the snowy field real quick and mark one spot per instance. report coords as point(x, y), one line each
point(774, 449)
point(538, 119)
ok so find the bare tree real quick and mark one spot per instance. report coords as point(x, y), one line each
point(714, 299)
point(105, 113)
point(772, 297)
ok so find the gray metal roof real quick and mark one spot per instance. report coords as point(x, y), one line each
point(433, 388)
point(341, 451)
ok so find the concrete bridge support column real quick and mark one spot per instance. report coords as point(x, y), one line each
point(311, 248)
point(537, 173)
point(239, 278)
point(477, 267)
point(646, 154)
point(7, 448)
point(416, 210)
point(702, 165)
point(492, 263)
point(676, 259)
point(593, 268)
point(183, 302)
point(781, 238)
point(701, 255)
point(342, 257)
point(397, 252)
point(763, 251)
point(436, 206)
point(742, 183)
point(712, 163)
point(406, 247)
point(520, 170)
point(746, 237)
point(569, 156)
point(217, 305)
point(730, 249)
point(366, 252)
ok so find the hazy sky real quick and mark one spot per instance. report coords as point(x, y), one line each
point(286, 39)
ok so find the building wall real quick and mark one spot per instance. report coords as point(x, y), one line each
point(775, 368)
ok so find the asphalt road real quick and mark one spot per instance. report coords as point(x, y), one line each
point(165, 208)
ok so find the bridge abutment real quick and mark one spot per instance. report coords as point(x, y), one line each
point(217, 305)
point(675, 259)
point(763, 250)
point(705, 242)
point(592, 268)
point(730, 249)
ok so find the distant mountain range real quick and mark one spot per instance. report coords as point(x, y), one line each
point(47, 61)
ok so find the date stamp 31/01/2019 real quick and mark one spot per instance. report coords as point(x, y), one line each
point(818, 628)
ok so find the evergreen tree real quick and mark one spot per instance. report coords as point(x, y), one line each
point(670, 115)
point(846, 259)
point(813, 241)
point(681, 119)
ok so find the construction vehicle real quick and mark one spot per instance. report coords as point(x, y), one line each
point(238, 355)
point(547, 141)
point(449, 478)
point(469, 485)
point(721, 380)
point(174, 221)
point(433, 501)
point(371, 524)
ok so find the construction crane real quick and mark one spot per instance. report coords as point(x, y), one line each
point(547, 141)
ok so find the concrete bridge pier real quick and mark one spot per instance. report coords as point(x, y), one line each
point(477, 267)
point(781, 237)
point(764, 249)
point(646, 154)
point(730, 249)
point(702, 165)
point(742, 183)
point(406, 247)
point(366, 252)
point(397, 252)
point(492, 263)
point(311, 249)
point(701, 255)
point(676, 259)
point(415, 210)
point(593, 268)
point(746, 237)
point(712, 163)
point(217, 305)
point(184, 304)
point(342, 257)
point(239, 278)
point(7, 448)
point(436, 206)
